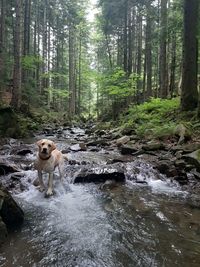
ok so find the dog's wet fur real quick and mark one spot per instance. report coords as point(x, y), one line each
point(48, 158)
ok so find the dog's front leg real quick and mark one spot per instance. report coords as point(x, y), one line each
point(41, 183)
point(50, 185)
point(61, 172)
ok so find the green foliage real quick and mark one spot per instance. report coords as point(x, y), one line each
point(116, 83)
point(53, 75)
point(156, 118)
point(30, 62)
point(56, 92)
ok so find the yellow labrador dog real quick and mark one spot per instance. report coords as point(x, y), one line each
point(48, 158)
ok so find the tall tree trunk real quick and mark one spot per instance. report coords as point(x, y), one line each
point(139, 54)
point(149, 51)
point(26, 44)
point(125, 41)
point(130, 42)
point(72, 93)
point(109, 51)
point(119, 49)
point(16, 95)
point(79, 73)
point(189, 95)
point(2, 43)
point(27, 22)
point(173, 67)
point(44, 44)
point(163, 45)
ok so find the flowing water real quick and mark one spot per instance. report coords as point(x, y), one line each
point(83, 225)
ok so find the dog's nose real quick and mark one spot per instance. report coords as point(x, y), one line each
point(44, 150)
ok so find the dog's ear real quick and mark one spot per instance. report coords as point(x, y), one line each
point(53, 146)
point(39, 142)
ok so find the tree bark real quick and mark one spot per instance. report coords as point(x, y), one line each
point(173, 67)
point(16, 94)
point(2, 43)
point(72, 93)
point(139, 54)
point(149, 51)
point(163, 52)
point(189, 94)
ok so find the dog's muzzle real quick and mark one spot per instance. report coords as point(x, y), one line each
point(44, 150)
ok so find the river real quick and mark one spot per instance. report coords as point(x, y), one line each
point(85, 225)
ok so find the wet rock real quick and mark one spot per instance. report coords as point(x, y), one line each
point(6, 168)
point(100, 132)
point(3, 231)
point(99, 142)
point(166, 167)
point(78, 147)
point(21, 150)
point(195, 173)
point(141, 182)
point(152, 146)
point(100, 174)
point(11, 214)
point(6, 147)
point(48, 130)
point(108, 185)
point(181, 179)
point(17, 176)
point(24, 152)
point(94, 149)
point(180, 163)
point(194, 158)
point(123, 140)
point(126, 158)
point(36, 182)
point(128, 149)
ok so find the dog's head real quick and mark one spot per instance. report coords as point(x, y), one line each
point(46, 147)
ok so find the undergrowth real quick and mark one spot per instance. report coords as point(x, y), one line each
point(157, 118)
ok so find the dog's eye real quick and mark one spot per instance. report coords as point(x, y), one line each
point(42, 144)
point(49, 145)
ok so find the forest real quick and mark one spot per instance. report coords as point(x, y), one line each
point(99, 133)
point(54, 59)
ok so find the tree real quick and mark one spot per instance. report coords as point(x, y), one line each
point(189, 94)
point(163, 44)
point(16, 94)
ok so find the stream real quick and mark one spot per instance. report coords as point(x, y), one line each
point(86, 224)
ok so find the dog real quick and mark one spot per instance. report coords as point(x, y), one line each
point(48, 158)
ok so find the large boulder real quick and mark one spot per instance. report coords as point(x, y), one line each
point(100, 174)
point(10, 213)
